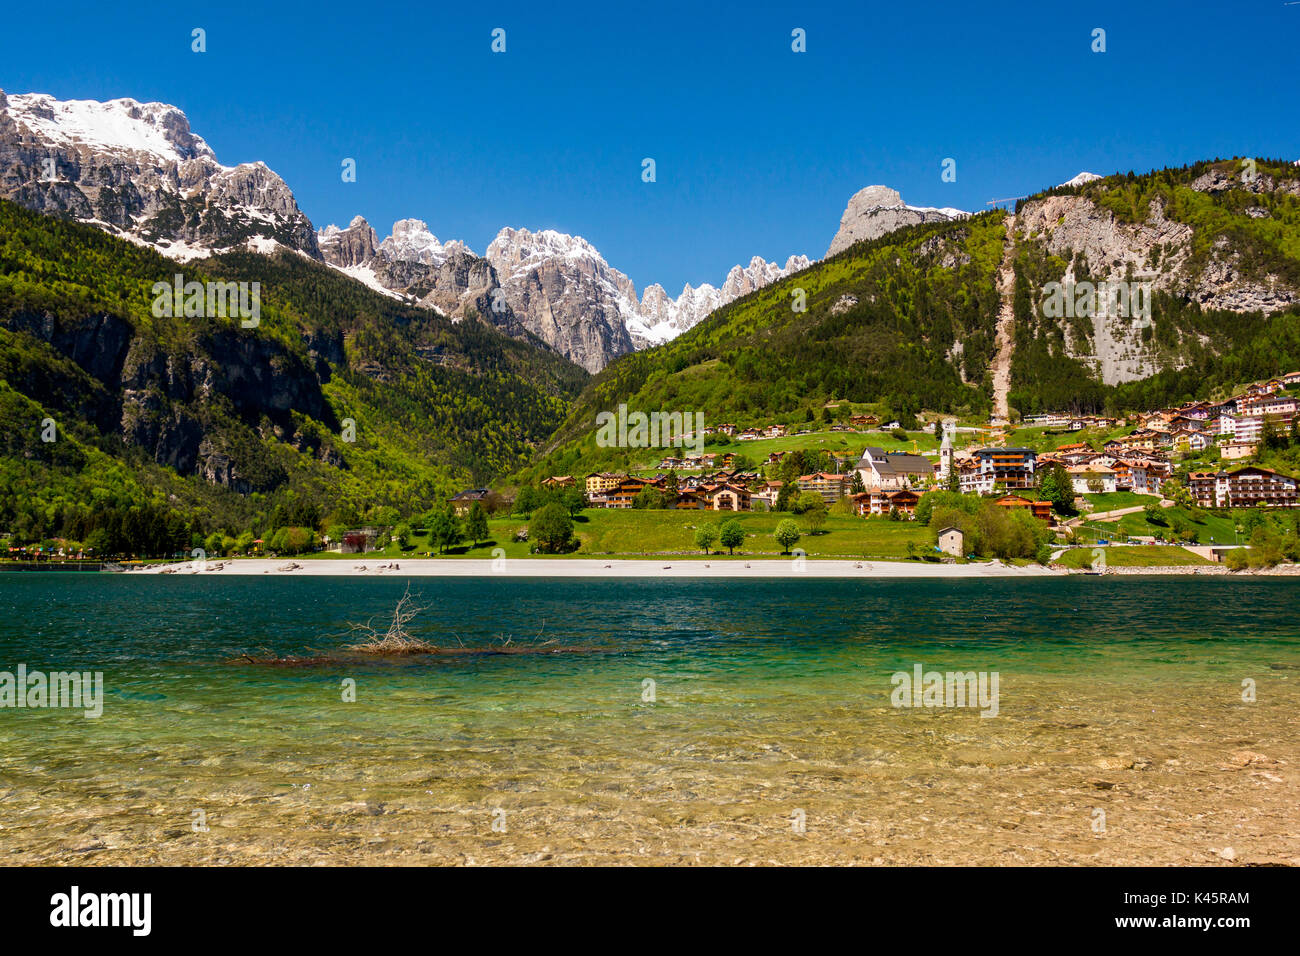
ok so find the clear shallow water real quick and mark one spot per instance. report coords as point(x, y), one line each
point(772, 698)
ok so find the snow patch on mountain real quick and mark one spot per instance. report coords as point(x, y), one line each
point(1079, 180)
point(366, 276)
point(952, 212)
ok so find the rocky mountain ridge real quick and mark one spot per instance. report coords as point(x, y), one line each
point(137, 171)
point(556, 286)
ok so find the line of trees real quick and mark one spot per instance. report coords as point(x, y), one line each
point(531, 498)
point(988, 529)
point(727, 533)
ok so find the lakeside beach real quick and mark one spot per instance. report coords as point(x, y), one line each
point(596, 567)
point(680, 567)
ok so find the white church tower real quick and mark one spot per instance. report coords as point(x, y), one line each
point(945, 451)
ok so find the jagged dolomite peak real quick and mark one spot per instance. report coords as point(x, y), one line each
point(353, 246)
point(519, 249)
point(543, 263)
point(138, 171)
point(565, 293)
point(660, 319)
point(413, 265)
point(876, 210)
point(411, 241)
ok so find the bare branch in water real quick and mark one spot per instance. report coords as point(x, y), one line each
point(397, 639)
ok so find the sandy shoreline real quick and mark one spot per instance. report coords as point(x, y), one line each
point(596, 568)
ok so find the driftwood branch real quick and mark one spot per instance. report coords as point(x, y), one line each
point(397, 638)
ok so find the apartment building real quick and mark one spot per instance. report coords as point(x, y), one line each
point(728, 497)
point(1280, 406)
point(1039, 509)
point(1250, 487)
point(991, 469)
point(1234, 450)
point(625, 491)
point(598, 483)
point(877, 501)
point(830, 487)
point(1091, 479)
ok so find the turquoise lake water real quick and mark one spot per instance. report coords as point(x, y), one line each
point(771, 702)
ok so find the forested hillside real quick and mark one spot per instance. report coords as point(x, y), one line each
point(1219, 243)
point(339, 402)
point(906, 320)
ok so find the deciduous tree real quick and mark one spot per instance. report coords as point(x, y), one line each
point(731, 535)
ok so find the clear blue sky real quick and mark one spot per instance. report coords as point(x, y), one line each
point(757, 148)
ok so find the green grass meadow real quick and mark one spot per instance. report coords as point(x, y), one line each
point(635, 533)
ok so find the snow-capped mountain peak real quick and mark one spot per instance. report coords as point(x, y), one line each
point(515, 250)
point(138, 171)
point(1079, 180)
point(659, 319)
point(124, 125)
point(330, 231)
point(411, 241)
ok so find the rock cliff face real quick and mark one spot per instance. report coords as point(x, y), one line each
point(876, 210)
point(465, 284)
point(353, 246)
point(414, 263)
point(565, 293)
point(1065, 225)
point(1072, 224)
point(1160, 248)
point(1170, 255)
point(136, 170)
point(156, 399)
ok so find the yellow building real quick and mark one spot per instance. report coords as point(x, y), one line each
point(600, 482)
